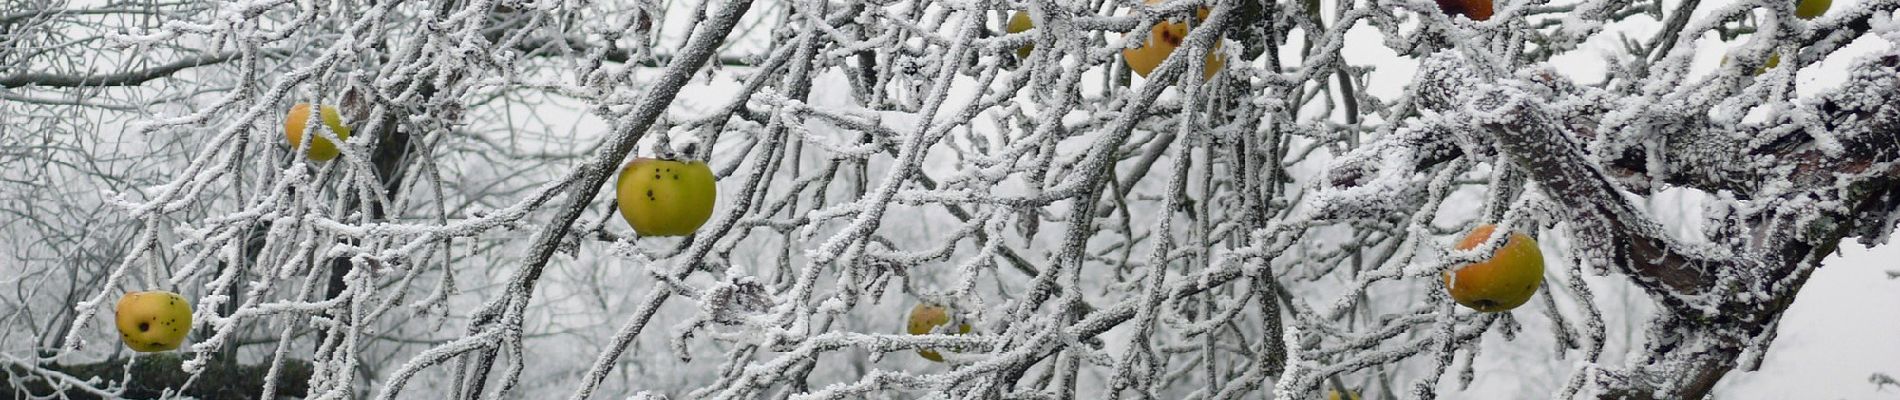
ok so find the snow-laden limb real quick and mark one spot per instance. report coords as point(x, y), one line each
point(1728, 297)
point(434, 356)
point(1279, 226)
point(1627, 238)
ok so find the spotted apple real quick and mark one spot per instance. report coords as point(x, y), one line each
point(153, 321)
point(666, 197)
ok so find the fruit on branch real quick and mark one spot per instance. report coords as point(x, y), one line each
point(153, 321)
point(321, 149)
point(1504, 281)
point(1773, 61)
point(666, 197)
point(927, 317)
point(1334, 395)
point(1019, 23)
point(1162, 40)
point(1808, 9)
point(1477, 10)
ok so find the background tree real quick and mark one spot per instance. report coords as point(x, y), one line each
point(1278, 227)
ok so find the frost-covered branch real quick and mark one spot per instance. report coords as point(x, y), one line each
point(1258, 214)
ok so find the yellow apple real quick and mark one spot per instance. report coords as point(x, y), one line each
point(1334, 395)
point(1501, 283)
point(153, 321)
point(321, 149)
point(924, 318)
point(1162, 40)
point(1019, 23)
point(666, 197)
point(1808, 9)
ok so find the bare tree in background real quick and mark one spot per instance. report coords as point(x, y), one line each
point(1274, 230)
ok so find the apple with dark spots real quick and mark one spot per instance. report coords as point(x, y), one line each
point(666, 197)
point(153, 321)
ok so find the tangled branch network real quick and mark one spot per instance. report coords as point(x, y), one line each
point(1107, 225)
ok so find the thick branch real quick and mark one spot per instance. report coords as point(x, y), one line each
point(1556, 161)
point(1852, 163)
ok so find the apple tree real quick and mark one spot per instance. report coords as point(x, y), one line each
point(1105, 222)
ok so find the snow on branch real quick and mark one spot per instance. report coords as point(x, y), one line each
point(1257, 214)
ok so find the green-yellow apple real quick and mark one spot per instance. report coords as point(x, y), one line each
point(1501, 283)
point(666, 197)
point(321, 149)
point(153, 321)
point(1808, 9)
point(1162, 40)
point(1019, 23)
point(924, 318)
